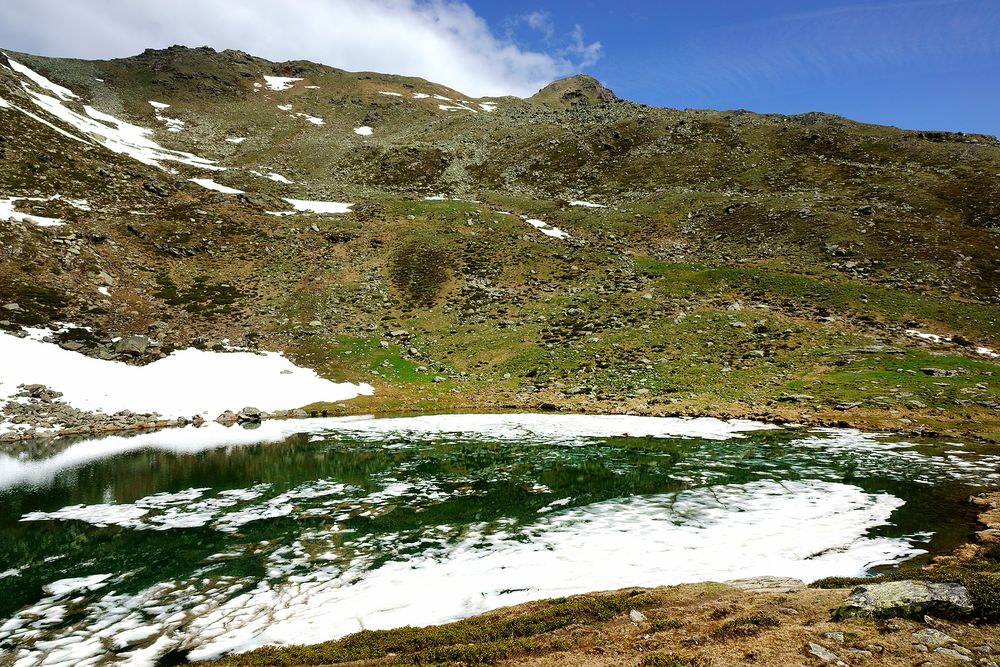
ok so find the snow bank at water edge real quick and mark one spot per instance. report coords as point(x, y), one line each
point(186, 383)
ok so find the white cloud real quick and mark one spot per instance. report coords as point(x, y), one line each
point(441, 40)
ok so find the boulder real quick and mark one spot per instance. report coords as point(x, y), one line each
point(134, 345)
point(906, 599)
point(250, 414)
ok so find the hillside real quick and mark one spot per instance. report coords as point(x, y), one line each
point(566, 251)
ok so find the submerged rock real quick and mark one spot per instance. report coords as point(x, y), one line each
point(906, 599)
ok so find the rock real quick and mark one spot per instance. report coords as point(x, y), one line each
point(795, 398)
point(438, 378)
point(835, 636)
point(823, 654)
point(933, 638)
point(227, 417)
point(250, 414)
point(950, 653)
point(906, 599)
point(12, 307)
point(133, 345)
point(768, 584)
point(636, 616)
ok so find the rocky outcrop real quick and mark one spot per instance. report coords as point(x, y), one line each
point(907, 599)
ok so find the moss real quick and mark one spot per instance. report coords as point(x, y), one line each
point(745, 626)
point(661, 623)
point(673, 660)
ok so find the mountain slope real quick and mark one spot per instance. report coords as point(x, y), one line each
point(589, 253)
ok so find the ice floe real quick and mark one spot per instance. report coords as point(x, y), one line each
point(278, 83)
point(185, 383)
point(209, 184)
point(106, 130)
point(805, 529)
point(364, 131)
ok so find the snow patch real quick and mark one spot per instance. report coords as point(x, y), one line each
point(364, 131)
point(62, 93)
point(586, 204)
point(236, 140)
point(212, 185)
point(114, 134)
point(278, 83)
point(389, 94)
point(488, 106)
point(9, 213)
point(320, 206)
point(278, 177)
point(546, 228)
point(945, 340)
point(183, 384)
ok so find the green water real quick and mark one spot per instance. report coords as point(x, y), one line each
point(338, 509)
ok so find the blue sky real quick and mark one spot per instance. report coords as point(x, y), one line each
point(921, 64)
point(911, 63)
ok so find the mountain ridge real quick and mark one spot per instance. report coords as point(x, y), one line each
point(566, 240)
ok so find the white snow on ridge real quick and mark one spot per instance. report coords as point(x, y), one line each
point(209, 184)
point(173, 124)
point(364, 131)
point(278, 83)
point(114, 134)
point(183, 384)
point(320, 206)
point(586, 204)
point(62, 93)
point(488, 106)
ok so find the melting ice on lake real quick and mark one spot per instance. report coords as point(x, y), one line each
point(218, 539)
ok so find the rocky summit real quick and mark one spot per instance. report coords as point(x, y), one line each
point(567, 251)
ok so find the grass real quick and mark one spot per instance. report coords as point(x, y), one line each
point(745, 626)
point(673, 660)
point(482, 640)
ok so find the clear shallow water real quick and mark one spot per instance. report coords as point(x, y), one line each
point(197, 542)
